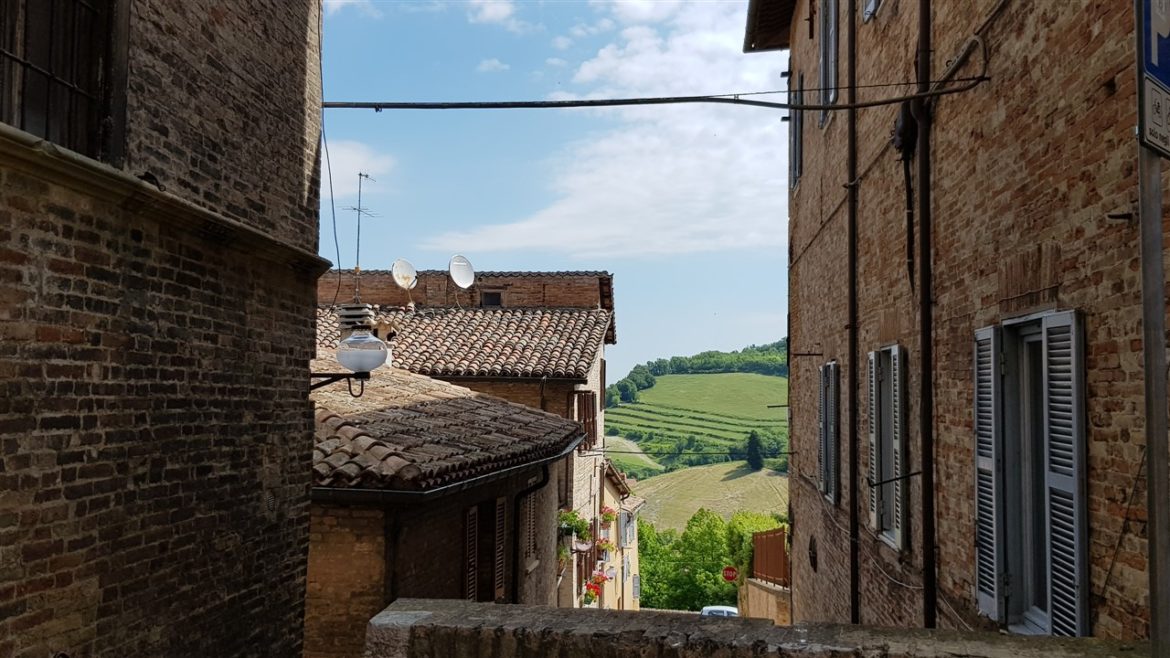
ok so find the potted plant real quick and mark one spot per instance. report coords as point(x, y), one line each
point(606, 545)
point(608, 514)
point(592, 592)
point(599, 578)
point(572, 524)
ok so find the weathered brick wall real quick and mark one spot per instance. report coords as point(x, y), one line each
point(435, 289)
point(154, 435)
point(346, 578)
point(439, 629)
point(154, 422)
point(1024, 164)
point(224, 108)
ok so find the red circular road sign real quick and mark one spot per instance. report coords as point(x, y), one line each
point(730, 574)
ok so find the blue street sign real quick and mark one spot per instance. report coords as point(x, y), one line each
point(1154, 78)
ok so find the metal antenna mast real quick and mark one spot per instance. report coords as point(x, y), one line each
point(357, 259)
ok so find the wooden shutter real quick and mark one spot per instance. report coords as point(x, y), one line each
point(637, 586)
point(898, 426)
point(821, 429)
point(1064, 441)
point(988, 451)
point(471, 553)
point(498, 556)
point(874, 472)
point(832, 447)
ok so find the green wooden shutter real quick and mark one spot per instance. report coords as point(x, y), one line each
point(901, 520)
point(988, 486)
point(1064, 446)
point(874, 472)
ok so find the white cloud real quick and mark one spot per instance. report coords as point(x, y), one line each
point(499, 12)
point(492, 65)
point(365, 6)
point(349, 158)
point(562, 42)
point(556, 62)
point(667, 179)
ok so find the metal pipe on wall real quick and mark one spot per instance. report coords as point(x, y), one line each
point(926, 324)
point(851, 402)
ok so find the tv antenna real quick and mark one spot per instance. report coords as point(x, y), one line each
point(357, 259)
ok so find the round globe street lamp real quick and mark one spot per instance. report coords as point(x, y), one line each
point(359, 352)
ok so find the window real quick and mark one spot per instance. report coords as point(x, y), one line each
point(585, 412)
point(487, 299)
point(1031, 532)
point(485, 561)
point(828, 56)
point(827, 428)
point(637, 586)
point(56, 73)
point(870, 9)
point(887, 445)
point(528, 510)
point(796, 133)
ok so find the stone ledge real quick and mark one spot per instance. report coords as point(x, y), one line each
point(426, 628)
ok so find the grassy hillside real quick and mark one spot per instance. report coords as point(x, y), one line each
point(737, 395)
point(673, 498)
point(688, 420)
point(628, 457)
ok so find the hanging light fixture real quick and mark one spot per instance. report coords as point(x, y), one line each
point(361, 351)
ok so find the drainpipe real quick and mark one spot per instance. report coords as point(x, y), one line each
point(926, 325)
point(851, 113)
point(517, 529)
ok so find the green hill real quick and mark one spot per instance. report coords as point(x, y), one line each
point(673, 498)
point(689, 420)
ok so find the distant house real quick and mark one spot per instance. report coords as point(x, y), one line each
point(616, 554)
point(542, 345)
point(426, 489)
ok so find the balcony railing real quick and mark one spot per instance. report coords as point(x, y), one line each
point(770, 557)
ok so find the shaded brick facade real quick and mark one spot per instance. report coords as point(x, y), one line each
point(155, 429)
point(1034, 174)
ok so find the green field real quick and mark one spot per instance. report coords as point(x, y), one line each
point(672, 498)
point(738, 395)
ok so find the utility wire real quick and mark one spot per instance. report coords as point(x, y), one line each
point(691, 452)
point(732, 99)
point(325, 142)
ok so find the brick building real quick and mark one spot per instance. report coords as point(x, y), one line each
point(424, 488)
point(540, 342)
point(156, 290)
point(1034, 325)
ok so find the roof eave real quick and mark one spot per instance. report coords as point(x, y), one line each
point(769, 25)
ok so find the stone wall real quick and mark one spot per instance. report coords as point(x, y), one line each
point(761, 600)
point(1028, 170)
point(155, 427)
point(454, 629)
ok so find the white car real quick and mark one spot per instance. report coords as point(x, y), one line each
point(719, 611)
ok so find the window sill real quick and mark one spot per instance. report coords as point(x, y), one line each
point(531, 566)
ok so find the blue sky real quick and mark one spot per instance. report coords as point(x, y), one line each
point(684, 204)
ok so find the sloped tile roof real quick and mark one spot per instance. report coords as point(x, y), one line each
point(408, 432)
point(487, 342)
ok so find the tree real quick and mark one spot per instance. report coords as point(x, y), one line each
point(626, 391)
point(612, 396)
point(740, 529)
point(755, 451)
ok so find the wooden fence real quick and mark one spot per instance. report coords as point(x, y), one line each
point(770, 557)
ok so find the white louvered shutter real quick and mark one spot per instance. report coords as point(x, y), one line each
point(988, 485)
point(874, 473)
point(822, 480)
point(831, 447)
point(901, 521)
point(1064, 441)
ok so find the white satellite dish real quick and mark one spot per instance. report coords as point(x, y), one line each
point(404, 274)
point(462, 273)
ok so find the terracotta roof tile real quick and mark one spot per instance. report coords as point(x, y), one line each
point(411, 432)
point(478, 342)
